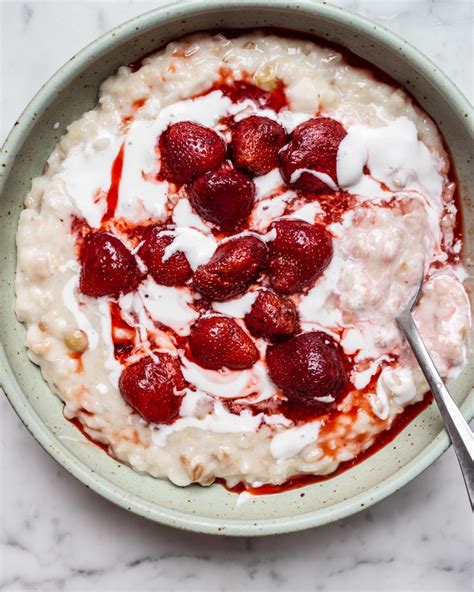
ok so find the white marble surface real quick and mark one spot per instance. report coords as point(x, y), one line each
point(57, 535)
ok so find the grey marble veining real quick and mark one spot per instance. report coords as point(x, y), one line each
point(57, 535)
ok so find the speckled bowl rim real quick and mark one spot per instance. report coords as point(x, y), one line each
point(39, 431)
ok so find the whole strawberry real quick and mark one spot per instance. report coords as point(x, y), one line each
point(298, 255)
point(256, 142)
point(310, 371)
point(174, 271)
point(218, 342)
point(272, 316)
point(235, 265)
point(313, 146)
point(224, 197)
point(188, 150)
point(108, 267)
point(152, 387)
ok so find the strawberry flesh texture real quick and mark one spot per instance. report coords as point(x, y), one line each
point(256, 142)
point(175, 271)
point(224, 197)
point(108, 267)
point(235, 265)
point(307, 367)
point(314, 145)
point(189, 150)
point(298, 255)
point(149, 387)
point(218, 342)
point(272, 316)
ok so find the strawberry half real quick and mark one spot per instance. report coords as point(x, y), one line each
point(298, 255)
point(150, 386)
point(314, 145)
point(310, 370)
point(256, 142)
point(224, 197)
point(218, 342)
point(240, 90)
point(272, 316)
point(176, 270)
point(108, 267)
point(235, 265)
point(189, 150)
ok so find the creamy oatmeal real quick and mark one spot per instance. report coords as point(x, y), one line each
point(210, 267)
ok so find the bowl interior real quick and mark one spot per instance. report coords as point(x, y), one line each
point(72, 91)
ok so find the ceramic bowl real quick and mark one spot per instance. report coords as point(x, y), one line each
point(73, 90)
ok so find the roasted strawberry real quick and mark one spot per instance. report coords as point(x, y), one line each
point(314, 145)
point(224, 197)
point(151, 386)
point(240, 90)
point(256, 142)
point(235, 264)
point(310, 370)
point(218, 342)
point(108, 267)
point(272, 316)
point(189, 150)
point(174, 271)
point(298, 255)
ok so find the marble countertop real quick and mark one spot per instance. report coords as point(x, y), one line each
point(57, 535)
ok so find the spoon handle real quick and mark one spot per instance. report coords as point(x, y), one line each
point(457, 427)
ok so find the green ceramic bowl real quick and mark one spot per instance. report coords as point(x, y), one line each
point(73, 90)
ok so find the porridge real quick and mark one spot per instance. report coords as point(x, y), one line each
point(210, 267)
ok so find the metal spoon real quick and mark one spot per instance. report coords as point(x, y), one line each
point(457, 427)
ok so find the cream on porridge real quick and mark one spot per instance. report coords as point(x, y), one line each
point(210, 266)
